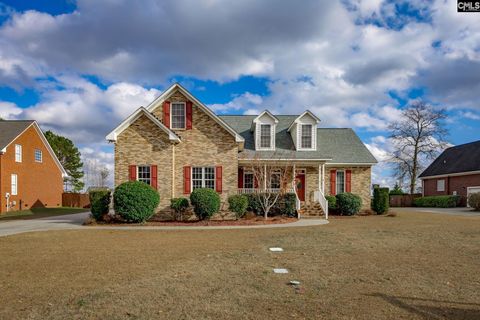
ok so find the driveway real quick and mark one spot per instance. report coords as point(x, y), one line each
point(75, 221)
point(467, 212)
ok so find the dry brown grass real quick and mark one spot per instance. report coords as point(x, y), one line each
point(412, 266)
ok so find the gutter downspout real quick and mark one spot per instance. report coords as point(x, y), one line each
point(173, 170)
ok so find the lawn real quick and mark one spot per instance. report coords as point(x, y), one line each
point(36, 213)
point(413, 266)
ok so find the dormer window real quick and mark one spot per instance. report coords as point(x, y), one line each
point(265, 136)
point(306, 136)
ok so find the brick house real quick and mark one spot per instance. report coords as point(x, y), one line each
point(455, 171)
point(177, 144)
point(30, 173)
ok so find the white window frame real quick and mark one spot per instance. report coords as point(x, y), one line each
point(184, 112)
point(276, 172)
point(18, 153)
point(40, 152)
point(150, 173)
point(270, 147)
point(311, 136)
point(440, 185)
point(14, 184)
point(344, 181)
point(203, 177)
point(253, 179)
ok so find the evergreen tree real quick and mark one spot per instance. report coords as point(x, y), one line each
point(69, 156)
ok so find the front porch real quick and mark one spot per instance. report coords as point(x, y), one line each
point(305, 179)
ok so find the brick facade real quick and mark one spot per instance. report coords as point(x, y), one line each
point(456, 184)
point(39, 183)
point(361, 182)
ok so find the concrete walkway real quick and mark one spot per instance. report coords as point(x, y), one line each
point(462, 211)
point(75, 221)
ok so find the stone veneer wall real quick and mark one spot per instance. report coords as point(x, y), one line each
point(207, 144)
point(143, 143)
point(361, 182)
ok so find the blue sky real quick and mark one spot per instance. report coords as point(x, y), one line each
point(79, 67)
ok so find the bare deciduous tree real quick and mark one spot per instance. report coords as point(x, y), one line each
point(419, 135)
point(104, 174)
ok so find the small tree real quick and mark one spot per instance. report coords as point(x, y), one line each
point(417, 136)
point(273, 179)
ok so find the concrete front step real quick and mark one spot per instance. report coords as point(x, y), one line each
point(311, 210)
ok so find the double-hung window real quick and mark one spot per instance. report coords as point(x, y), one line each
point(340, 182)
point(248, 180)
point(18, 153)
point(441, 185)
point(38, 155)
point(203, 177)
point(265, 136)
point(275, 180)
point(178, 115)
point(306, 134)
point(144, 174)
point(14, 185)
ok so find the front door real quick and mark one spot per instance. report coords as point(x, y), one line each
point(300, 184)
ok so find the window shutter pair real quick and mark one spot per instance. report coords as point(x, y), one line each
point(132, 174)
point(333, 181)
point(187, 179)
point(188, 114)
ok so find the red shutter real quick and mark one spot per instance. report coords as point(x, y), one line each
point(333, 182)
point(348, 187)
point(166, 114)
point(240, 177)
point(153, 182)
point(132, 172)
point(218, 177)
point(186, 179)
point(189, 115)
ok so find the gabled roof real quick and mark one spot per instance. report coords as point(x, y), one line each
point(458, 159)
point(12, 129)
point(297, 120)
point(268, 113)
point(339, 146)
point(112, 136)
point(160, 99)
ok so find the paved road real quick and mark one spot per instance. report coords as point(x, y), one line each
point(74, 221)
point(468, 212)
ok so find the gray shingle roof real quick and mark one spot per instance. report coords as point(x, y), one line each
point(340, 145)
point(461, 158)
point(10, 129)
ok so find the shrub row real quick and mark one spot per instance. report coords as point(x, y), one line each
point(284, 205)
point(437, 201)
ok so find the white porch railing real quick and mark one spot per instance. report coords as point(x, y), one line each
point(320, 198)
point(261, 190)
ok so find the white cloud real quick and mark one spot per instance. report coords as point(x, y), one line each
point(9, 110)
point(245, 101)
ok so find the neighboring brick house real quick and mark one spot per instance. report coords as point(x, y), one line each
point(455, 171)
point(30, 173)
point(177, 144)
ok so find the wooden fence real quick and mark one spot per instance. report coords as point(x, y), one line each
point(404, 200)
point(77, 200)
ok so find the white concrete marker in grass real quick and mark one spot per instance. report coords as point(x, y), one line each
point(280, 270)
point(276, 249)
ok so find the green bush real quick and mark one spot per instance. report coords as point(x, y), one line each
point(135, 201)
point(285, 204)
point(205, 202)
point(179, 205)
point(99, 202)
point(381, 200)
point(396, 191)
point(238, 203)
point(332, 202)
point(437, 201)
point(348, 203)
point(474, 200)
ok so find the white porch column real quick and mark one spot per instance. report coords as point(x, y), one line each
point(264, 177)
point(319, 177)
point(323, 178)
point(293, 179)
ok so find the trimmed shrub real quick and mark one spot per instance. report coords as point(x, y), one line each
point(285, 204)
point(99, 202)
point(381, 200)
point(396, 191)
point(437, 201)
point(348, 203)
point(474, 200)
point(238, 203)
point(205, 202)
point(179, 205)
point(332, 202)
point(135, 201)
